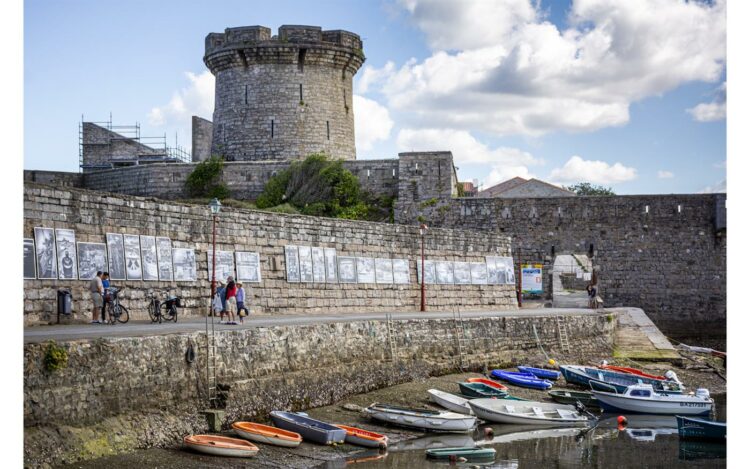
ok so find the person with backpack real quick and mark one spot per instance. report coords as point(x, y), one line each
point(230, 294)
point(242, 311)
point(220, 301)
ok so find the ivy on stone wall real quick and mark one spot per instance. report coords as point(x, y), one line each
point(205, 179)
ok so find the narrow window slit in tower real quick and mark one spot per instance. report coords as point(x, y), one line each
point(301, 60)
point(300, 93)
point(328, 135)
point(271, 128)
point(245, 94)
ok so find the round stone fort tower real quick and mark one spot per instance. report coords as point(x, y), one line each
point(283, 97)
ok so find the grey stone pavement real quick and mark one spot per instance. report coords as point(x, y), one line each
point(192, 324)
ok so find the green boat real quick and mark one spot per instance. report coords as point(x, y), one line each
point(570, 397)
point(480, 390)
point(467, 452)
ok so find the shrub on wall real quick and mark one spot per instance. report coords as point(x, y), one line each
point(55, 357)
point(205, 179)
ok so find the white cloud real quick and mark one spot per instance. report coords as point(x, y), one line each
point(501, 68)
point(372, 122)
point(370, 76)
point(576, 170)
point(720, 186)
point(713, 111)
point(664, 174)
point(501, 173)
point(196, 99)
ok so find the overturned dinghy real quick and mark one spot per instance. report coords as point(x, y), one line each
point(526, 412)
point(312, 430)
point(422, 419)
point(221, 446)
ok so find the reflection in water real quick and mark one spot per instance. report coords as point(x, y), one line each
point(693, 450)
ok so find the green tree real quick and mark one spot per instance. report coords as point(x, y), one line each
point(205, 179)
point(586, 188)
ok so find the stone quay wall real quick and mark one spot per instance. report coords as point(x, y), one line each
point(665, 254)
point(91, 215)
point(261, 369)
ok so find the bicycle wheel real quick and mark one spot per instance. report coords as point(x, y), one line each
point(121, 313)
point(153, 310)
point(110, 310)
point(174, 313)
point(160, 316)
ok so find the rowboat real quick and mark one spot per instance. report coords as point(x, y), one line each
point(701, 429)
point(450, 401)
point(642, 399)
point(520, 412)
point(467, 452)
point(309, 428)
point(488, 382)
point(522, 379)
point(421, 418)
point(221, 446)
point(628, 370)
point(480, 390)
point(571, 397)
point(582, 375)
point(540, 373)
point(360, 437)
point(267, 434)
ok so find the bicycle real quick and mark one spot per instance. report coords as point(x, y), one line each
point(115, 311)
point(169, 306)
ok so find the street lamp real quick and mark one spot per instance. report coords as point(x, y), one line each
point(215, 206)
point(422, 231)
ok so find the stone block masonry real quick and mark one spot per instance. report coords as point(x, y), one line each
point(262, 369)
point(91, 215)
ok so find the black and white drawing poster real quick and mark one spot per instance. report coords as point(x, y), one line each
point(319, 265)
point(305, 264)
point(29, 260)
point(224, 265)
point(365, 270)
point(116, 256)
point(400, 271)
point(148, 258)
point(132, 256)
point(383, 271)
point(444, 272)
point(183, 261)
point(46, 258)
point(331, 270)
point(461, 273)
point(248, 266)
point(478, 273)
point(500, 270)
point(429, 268)
point(164, 256)
point(347, 269)
point(291, 259)
point(506, 265)
point(92, 258)
point(67, 263)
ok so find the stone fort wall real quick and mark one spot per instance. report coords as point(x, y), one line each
point(93, 214)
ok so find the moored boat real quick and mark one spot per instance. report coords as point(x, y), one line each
point(468, 452)
point(488, 382)
point(309, 428)
point(360, 437)
point(582, 375)
point(701, 429)
point(422, 418)
point(525, 380)
point(540, 373)
point(571, 397)
point(480, 390)
point(632, 371)
point(643, 399)
point(267, 434)
point(527, 412)
point(221, 446)
point(450, 401)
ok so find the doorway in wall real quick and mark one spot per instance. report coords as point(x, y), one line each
point(570, 275)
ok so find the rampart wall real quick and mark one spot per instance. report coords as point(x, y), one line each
point(93, 214)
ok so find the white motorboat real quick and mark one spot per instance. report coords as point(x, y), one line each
point(526, 412)
point(450, 401)
point(422, 419)
point(642, 399)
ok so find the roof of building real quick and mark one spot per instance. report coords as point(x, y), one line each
point(502, 187)
point(520, 187)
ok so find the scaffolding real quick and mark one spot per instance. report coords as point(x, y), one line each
point(162, 152)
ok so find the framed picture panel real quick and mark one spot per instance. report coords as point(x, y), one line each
point(164, 258)
point(383, 271)
point(444, 272)
point(132, 257)
point(400, 271)
point(46, 257)
point(116, 256)
point(331, 265)
point(365, 270)
point(478, 273)
point(347, 269)
point(183, 263)
point(305, 264)
point(67, 260)
point(461, 273)
point(224, 265)
point(429, 276)
point(248, 266)
point(291, 259)
point(92, 257)
point(319, 265)
point(148, 258)
point(29, 259)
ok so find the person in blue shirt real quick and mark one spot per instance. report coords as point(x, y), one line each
point(105, 284)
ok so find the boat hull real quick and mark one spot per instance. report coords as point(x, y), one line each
point(480, 390)
point(266, 439)
point(451, 402)
point(436, 422)
point(610, 402)
point(520, 380)
point(620, 381)
point(571, 397)
point(222, 446)
point(493, 412)
point(310, 429)
point(540, 372)
point(360, 437)
point(700, 429)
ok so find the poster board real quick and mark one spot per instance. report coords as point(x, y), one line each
point(46, 256)
point(132, 256)
point(183, 264)
point(116, 256)
point(318, 265)
point(148, 258)
point(29, 259)
point(248, 266)
point(67, 260)
point(347, 269)
point(331, 265)
point(365, 270)
point(400, 271)
point(291, 260)
point(531, 279)
point(92, 257)
point(224, 265)
point(383, 271)
point(164, 258)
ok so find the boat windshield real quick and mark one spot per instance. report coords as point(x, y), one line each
point(640, 393)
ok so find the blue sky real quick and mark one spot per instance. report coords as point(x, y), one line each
point(561, 91)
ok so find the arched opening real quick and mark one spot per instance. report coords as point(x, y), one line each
point(570, 275)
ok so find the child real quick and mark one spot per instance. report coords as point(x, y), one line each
point(241, 310)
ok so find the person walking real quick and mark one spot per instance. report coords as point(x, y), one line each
point(96, 289)
point(231, 300)
point(105, 294)
point(242, 311)
point(221, 293)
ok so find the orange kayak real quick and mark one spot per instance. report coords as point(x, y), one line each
point(631, 371)
point(221, 446)
point(267, 434)
point(488, 382)
point(360, 437)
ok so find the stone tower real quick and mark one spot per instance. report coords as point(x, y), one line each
point(283, 97)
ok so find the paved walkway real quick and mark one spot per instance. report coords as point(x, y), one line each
point(146, 328)
point(638, 338)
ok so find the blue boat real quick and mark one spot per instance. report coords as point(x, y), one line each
point(540, 372)
point(584, 375)
point(694, 428)
point(522, 379)
point(310, 429)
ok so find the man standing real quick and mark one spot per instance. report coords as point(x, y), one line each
point(105, 291)
point(96, 289)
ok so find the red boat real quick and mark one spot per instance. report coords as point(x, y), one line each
point(488, 382)
point(631, 371)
